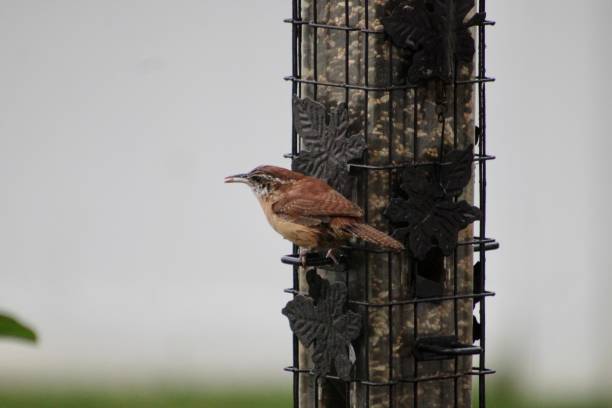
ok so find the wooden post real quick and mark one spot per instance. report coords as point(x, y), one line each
point(401, 125)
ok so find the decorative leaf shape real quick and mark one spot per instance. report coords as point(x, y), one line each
point(437, 223)
point(456, 171)
point(10, 327)
point(409, 26)
point(326, 146)
point(322, 321)
point(436, 32)
point(415, 181)
point(303, 319)
point(426, 211)
point(309, 121)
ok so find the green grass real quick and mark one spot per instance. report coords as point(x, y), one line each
point(498, 396)
point(504, 401)
point(161, 399)
point(504, 395)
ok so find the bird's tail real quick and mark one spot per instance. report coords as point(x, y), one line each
point(374, 236)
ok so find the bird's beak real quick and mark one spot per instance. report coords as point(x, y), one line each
point(238, 178)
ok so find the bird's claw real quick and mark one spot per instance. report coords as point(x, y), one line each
point(331, 255)
point(303, 253)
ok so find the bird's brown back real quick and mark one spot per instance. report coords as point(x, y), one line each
point(311, 197)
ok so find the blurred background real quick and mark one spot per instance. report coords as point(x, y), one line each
point(150, 283)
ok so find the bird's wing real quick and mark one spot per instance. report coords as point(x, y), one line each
point(311, 201)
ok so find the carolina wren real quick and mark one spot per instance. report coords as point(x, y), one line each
point(308, 212)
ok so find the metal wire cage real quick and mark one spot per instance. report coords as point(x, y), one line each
point(341, 53)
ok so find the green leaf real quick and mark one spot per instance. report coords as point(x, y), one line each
point(10, 327)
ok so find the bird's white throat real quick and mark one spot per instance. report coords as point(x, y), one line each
point(261, 190)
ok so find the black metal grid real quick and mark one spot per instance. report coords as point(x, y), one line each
point(480, 244)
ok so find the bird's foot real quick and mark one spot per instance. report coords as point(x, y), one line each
point(331, 254)
point(303, 252)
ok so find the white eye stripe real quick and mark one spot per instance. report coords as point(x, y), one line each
point(264, 178)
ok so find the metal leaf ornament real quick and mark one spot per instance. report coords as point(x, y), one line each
point(425, 210)
point(436, 32)
point(322, 321)
point(326, 146)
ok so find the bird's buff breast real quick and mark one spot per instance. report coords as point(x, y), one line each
point(300, 235)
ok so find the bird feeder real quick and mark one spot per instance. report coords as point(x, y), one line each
point(388, 102)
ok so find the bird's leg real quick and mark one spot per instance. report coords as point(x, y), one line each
point(331, 255)
point(303, 252)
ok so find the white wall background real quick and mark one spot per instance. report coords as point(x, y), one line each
point(550, 191)
point(121, 245)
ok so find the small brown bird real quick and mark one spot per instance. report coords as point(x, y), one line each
point(308, 212)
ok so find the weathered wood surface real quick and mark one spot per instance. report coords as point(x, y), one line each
point(388, 120)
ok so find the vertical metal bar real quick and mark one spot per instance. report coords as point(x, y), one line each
point(299, 45)
point(415, 387)
point(455, 274)
point(366, 82)
point(315, 55)
point(296, 346)
point(316, 391)
point(389, 255)
point(346, 50)
point(415, 126)
point(315, 50)
point(294, 70)
point(295, 45)
point(346, 100)
point(482, 171)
